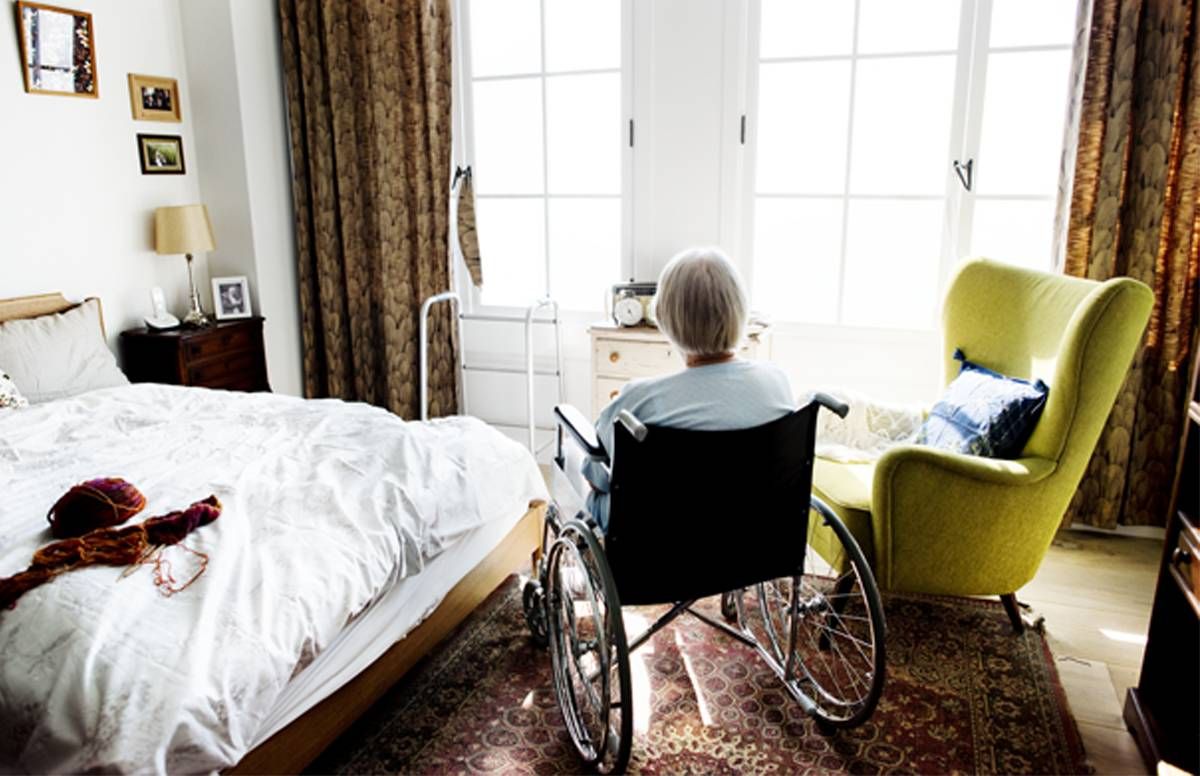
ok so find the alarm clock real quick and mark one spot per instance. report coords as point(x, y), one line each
point(633, 303)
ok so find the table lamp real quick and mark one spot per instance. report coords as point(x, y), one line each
point(185, 229)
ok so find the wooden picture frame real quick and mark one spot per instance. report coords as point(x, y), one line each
point(231, 297)
point(49, 56)
point(154, 99)
point(161, 154)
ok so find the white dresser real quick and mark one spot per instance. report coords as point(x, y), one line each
point(621, 354)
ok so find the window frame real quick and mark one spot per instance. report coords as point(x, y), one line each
point(463, 152)
point(972, 56)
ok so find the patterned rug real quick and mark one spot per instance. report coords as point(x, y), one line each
point(963, 695)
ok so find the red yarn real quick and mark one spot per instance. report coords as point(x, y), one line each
point(97, 503)
point(113, 547)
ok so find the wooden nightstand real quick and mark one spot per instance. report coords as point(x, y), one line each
point(226, 355)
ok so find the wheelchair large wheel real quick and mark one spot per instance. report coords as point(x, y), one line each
point(588, 650)
point(826, 628)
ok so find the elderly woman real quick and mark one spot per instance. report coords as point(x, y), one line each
point(702, 308)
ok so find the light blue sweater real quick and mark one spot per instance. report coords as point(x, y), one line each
point(715, 397)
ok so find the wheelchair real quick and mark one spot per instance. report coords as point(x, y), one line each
point(694, 514)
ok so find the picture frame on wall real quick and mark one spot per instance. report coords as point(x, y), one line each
point(58, 50)
point(161, 154)
point(231, 297)
point(154, 98)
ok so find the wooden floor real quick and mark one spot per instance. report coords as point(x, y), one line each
point(1095, 592)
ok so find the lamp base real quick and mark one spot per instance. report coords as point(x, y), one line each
point(197, 319)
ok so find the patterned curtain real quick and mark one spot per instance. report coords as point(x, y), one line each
point(1132, 210)
point(368, 96)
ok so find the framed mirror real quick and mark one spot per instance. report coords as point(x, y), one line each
point(58, 50)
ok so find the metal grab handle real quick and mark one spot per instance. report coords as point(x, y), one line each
point(423, 334)
point(969, 167)
point(529, 371)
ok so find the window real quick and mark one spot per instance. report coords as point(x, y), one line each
point(542, 109)
point(862, 107)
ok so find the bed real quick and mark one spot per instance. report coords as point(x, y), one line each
point(350, 543)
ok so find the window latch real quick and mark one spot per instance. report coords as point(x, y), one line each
point(965, 172)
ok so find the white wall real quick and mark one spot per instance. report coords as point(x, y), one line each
point(233, 61)
point(76, 214)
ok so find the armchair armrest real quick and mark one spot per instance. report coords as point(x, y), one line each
point(577, 426)
point(959, 524)
point(1016, 471)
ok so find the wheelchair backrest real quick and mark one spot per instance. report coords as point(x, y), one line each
point(695, 513)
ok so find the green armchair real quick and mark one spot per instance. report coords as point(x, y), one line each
point(932, 521)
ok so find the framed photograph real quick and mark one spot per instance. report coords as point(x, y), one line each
point(154, 98)
point(161, 154)
point(58, 50)
point(231, 297)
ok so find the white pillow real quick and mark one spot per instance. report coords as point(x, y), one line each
point(10, 397)
point(54, 356)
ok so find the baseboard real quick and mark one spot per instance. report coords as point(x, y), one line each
point(1133, 531)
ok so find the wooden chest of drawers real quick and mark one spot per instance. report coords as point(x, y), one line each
point(227, 355)
point(621, 354)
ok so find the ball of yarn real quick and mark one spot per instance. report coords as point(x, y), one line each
point(98, 503)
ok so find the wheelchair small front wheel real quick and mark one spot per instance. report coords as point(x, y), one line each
point(588, 650)
point(533, 600)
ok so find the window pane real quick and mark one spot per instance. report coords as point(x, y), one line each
point(888, 26)
point(893, 255)
point(805, 28)
point(585, 250)
point(797, 251)
point(583, 34)
point(512, 246)
point(1017, 231)
point(583, 120)
point(508, 136)
point(902, 113)
point(505, 37)
point(1033, 22)
point(1024, 111)
point(803, 109)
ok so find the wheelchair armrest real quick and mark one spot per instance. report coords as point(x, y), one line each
point(584, 434)
point(836, 406)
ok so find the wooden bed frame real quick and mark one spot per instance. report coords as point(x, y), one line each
point(292, 749)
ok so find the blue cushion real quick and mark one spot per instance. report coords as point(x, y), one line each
point(984, 413)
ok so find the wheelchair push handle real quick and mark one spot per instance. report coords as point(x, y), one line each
point(634, 426)
point(836, 406)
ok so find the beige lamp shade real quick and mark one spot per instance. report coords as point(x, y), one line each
point(183, 229)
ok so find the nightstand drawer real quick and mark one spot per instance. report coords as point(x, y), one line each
point(218, 343)
point(214, 370)
point(632, 358)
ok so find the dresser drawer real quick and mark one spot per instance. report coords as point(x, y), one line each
point(605, 390)
point(633, 358)
point(221, 369)
point(218, 343)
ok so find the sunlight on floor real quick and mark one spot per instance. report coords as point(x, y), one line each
point(705, 717)
point(1128, 638)
point(639, 674)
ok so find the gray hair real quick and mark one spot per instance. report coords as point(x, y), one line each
point(702, 304)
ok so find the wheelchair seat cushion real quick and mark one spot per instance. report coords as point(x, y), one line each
point(984, 413)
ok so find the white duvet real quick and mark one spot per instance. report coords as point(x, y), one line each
point(325, 504)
